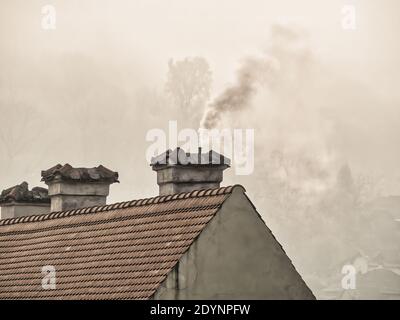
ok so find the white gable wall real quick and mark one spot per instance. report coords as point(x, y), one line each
point(235, 257)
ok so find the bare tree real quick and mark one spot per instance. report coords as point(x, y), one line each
point(22, 138)
point(188, 84)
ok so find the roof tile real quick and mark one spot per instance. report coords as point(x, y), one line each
point(120, 251)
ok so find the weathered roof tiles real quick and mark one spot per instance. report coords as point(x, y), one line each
point(119, 251)
point(67, 172)
point(179, 157)
point(21, 193)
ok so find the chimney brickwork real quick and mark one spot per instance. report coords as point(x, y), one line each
point(178, 171)
point(73, 188)
point(19, 201)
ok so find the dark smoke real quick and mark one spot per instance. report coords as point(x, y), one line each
point(286, 49)
point(252, 72)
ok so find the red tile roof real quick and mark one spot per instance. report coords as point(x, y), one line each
point(119, 251)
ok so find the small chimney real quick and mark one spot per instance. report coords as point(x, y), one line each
point(73, 188)
point(178, 171)
point(19, 201)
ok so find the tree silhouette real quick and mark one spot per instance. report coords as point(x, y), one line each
point(188, 84)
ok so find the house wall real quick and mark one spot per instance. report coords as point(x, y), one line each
point(235, 257)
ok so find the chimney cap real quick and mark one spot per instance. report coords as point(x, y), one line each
point(68, 173)
point(21, 194)
point(179, 157)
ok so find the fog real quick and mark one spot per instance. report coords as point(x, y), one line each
point(323, 102)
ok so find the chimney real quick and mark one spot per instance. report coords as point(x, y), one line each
point(19, 201)
point(73, 188)
point(178, 171)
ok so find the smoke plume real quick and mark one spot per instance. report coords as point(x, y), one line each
point(256, 72)
point(253, 72)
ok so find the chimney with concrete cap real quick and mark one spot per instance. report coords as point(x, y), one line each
point(73, 188)
point(178, 171)
point(19, 201)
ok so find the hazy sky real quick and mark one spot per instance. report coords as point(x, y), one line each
point(107, 57)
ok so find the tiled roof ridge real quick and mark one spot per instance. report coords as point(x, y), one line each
point(123, 205)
